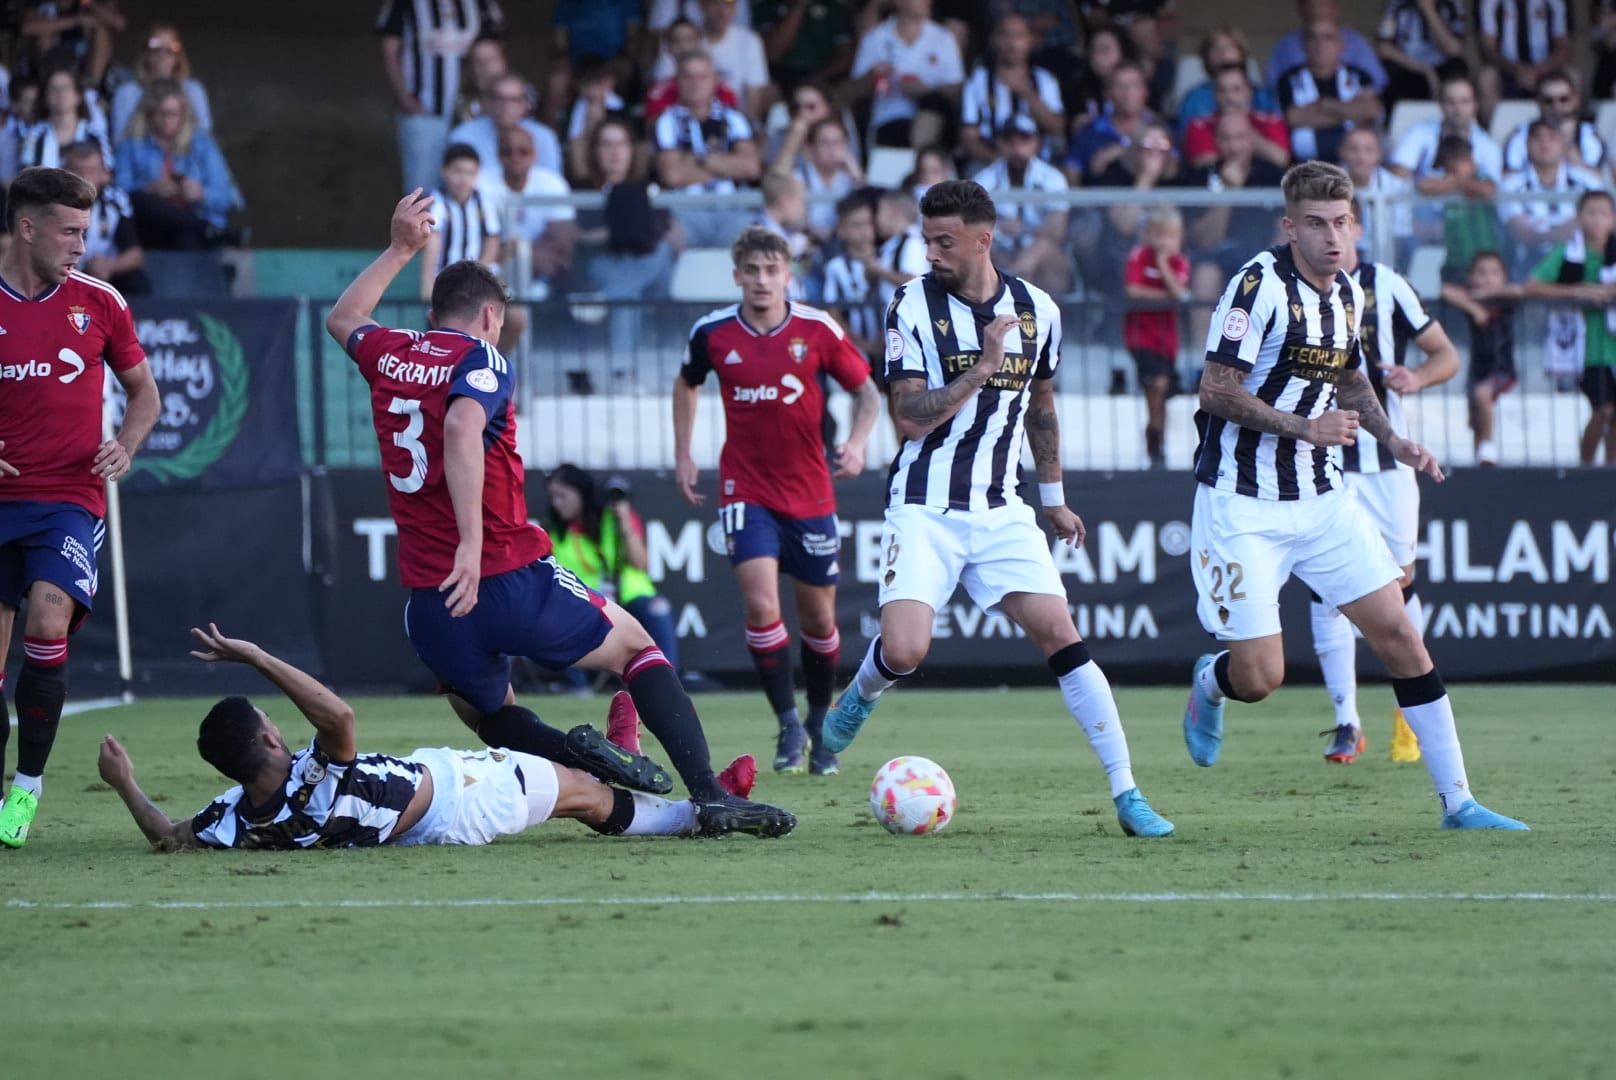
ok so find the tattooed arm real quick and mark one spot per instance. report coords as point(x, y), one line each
point(1357, 396)
point(917, 411)
point(1223, 394)
point(1043, 435)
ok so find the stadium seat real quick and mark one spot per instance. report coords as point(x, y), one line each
point(703, 275)
point(1510, 115)
point(1605, 122)
point(1405, 115)
point(1425, 270)
point(889, 165)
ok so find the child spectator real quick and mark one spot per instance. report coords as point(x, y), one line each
point(1582, 271)
point(785, 213)
point(1489, 302)
point(597, 99)
point(112, 250)
point(163, 58)
point(1157, 273)
point(464, 224)
point(1469, 226)
point(851, 292)
point(902, 256)
point(932, 166)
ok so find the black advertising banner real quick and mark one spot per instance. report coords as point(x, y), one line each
point(225, 373)
point(1515, 572)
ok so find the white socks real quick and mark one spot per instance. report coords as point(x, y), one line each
point(1338, 658)
point(1433, 726)
point(874, 677)
point(34, 785)
point(654, 816)
point(1089, 700)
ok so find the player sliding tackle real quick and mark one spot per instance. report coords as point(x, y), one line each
point(329, 795)
point(484, 586)
point(970, 358)
point(1284, 382)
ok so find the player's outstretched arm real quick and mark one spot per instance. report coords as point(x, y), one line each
point(411, 225)
point(1223, 394)
point(119, 774)
point(332, 719)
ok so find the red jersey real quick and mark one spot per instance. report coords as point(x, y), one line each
point(413, 377)
point(1201, 143)
point(53, 349)
point(774, 446)
point(1152, 331)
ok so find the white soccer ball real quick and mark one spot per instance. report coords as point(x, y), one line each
point(912, 796)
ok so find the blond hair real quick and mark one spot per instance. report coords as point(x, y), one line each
point(1163, 216)
point(157, 93)
point(1315, 181)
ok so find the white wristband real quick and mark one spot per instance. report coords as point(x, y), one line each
point(1052, 494)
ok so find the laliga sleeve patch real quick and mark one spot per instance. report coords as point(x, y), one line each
point(1235, 324)
point(894, 345)
point(484, 380)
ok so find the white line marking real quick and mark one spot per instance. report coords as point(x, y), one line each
point(821, 898)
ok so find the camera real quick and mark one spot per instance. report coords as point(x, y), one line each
point(617, 489)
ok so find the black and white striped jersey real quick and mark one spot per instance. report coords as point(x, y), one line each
point(970, 462)
point(463, 226)
point(1392, 317)
point(436, 35)
point(324, 803)
point(1525, 30)
point(849, 290)
point(112, 225)
point(1293, 346)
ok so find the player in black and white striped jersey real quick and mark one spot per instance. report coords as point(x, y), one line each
point(1283, 384)
point(328, 795)
point(970, 365)
point(1387, 489)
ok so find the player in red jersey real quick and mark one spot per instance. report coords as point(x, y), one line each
point(776, 503)
point(59, 332)
point(483, 585)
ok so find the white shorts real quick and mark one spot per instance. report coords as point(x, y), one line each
point(480, 795)
point(1242, 549)
point(1392, 499)
point(993, 553)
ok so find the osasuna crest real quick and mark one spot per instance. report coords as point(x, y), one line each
point(79, 318)
point(799, 349)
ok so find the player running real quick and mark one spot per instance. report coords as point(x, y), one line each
point(484, 587)
point(328, 795)
point(1386, 488)
point(776, 504)
point(970, 362)
point(1283, 384)
point(59, 331)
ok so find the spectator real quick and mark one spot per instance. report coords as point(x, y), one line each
point(597, 99)
point(1470, 225)
point(507, 106)
point(913, 69)
point(851, 291)
point(607, 30)
point(1030, 238)
point(737, 55)
point(1157, 273)
point(902, 256)
point(1414, 157)
point(1535, 224)
point(178, 182)
point(1054, 28)
point(1222, 47)
point(1226, 234)
point(1154, 56)
point(82, 30)
point(1604, 35)
point(828, 169)
point(1291, 51)
point(64, 117)
point(1489, 302)
point(703, 145)
point(465, 224)
point(423, 71)
point(549, 232)
point(664, 13)
point(112, 250)
point(682, 37)
point(1582, 271)
point(1235, 93)
point(677, 38)
point(785, 214)
point(1326, 97)
point(1005, 87)
point(485, 62)
point(808, 105)
point(1523, 40)
point(1086, 99)
point(1125, 117)
point(1560, 103)
point(806, 40)
point(163, 58)
point(932, 166)
point(1420, 41)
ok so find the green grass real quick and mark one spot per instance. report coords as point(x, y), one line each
point(877, 988)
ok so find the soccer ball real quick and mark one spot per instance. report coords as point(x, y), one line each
point(912, 795)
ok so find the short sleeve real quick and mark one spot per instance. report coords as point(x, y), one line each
point(1049, 89)
point(950, 66)
point(843, 361)
point(1049, 357)
point(1134, 272)
point(832, 291)
point(1408, 306)
point(1548, 271)
point(483, 375)
point(368, 344)
point(905, 355)
point(757, 64)
point(698, 358)
point(214, 825)
point(973, 101)
point(1235, 334)
point(491, 216)
point(912, 256)
point(867, 56)
point(122, 350)
point(1199, 140)
point(666, 133)
point(740, 128)
point(1409, 153)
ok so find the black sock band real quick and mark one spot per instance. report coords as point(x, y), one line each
point(818, 677)
point(621, 817)
point(512, 727)
point(1067, 660)
point(41, 692)
point(1220, 671)
point(1420, 690)
point(774, 671)
point(881, 664)
point(668, 714)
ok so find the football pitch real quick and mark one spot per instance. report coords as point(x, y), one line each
point(1308, 920)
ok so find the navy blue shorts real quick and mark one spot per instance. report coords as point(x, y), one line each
point(540, 611)
point(49, 541)
point(806, 548)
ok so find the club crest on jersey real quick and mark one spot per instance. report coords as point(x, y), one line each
point(79, 318)
point(798, 349)
point(1029, 326)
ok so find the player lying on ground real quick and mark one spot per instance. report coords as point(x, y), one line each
point(1283, 384)
point(331, 796)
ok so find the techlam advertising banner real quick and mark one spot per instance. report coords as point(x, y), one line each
point(1514, 567)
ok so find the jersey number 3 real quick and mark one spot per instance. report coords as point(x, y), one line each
point(409, 440)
